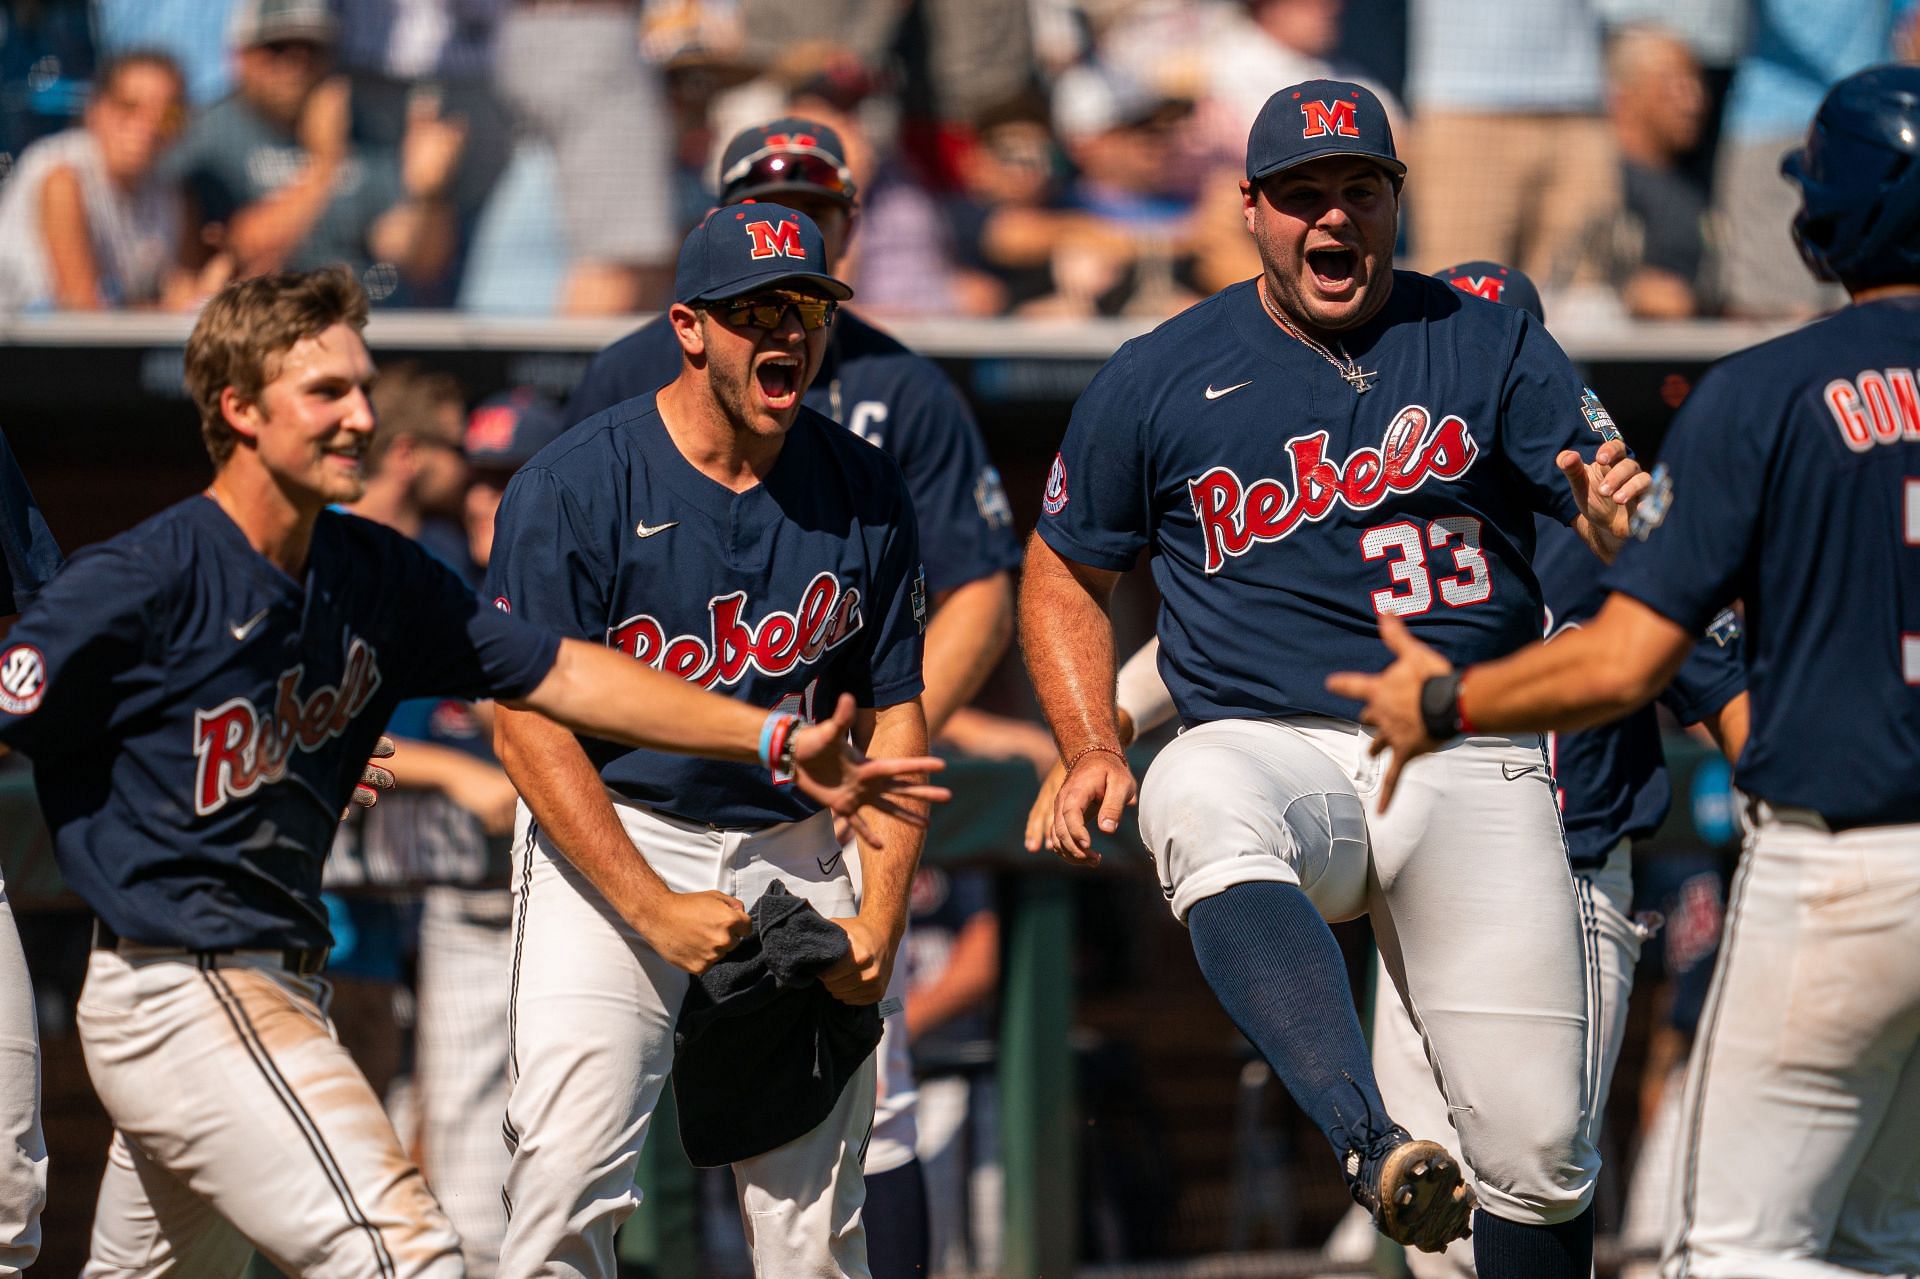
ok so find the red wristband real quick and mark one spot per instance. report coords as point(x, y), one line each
point(1460, 705)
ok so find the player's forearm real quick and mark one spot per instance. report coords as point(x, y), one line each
point(886, 873)
point(1591, 675)
point(971, 975)
point(969, 632)
point(266, 231)
point(1729, 727)
point(606, 694)
point(567, 798)
point(1067, 638)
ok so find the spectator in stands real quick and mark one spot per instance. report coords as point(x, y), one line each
point(86, 223)
point(397, 53)
point(273, 164)
point(1116, 246)
point(573, 76)
point(1515, 161)
point(192, 32)
point(1799, 50)
point(1657, 100)
point(1000, 220)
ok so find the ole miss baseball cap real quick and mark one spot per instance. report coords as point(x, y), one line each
point(1319, 118)
point(788, 154)
point(504, 431)
point(739, 248)
point(1496, 283)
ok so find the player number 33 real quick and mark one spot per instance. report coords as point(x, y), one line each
point(1404, 544)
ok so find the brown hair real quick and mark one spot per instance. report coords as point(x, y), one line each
point(109, 71)
point(249, 325)
point(404, 399)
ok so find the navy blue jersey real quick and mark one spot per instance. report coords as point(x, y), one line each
point(806, 586)
point(1284, 511)
point(197, 719)
point(889, 397)
point(29, 557)
point(1791, 480)
point(1613, 778)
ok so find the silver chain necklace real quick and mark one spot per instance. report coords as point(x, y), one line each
point(1346, 366)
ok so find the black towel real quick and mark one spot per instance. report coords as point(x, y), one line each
point(761, 1050)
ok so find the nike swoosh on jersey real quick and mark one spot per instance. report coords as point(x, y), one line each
point(1514, 772)
point(827, 864)
point(645, 529)
point(240, 630)
point(1226, 390)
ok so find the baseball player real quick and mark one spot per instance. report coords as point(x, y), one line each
point(198, 695)
point(29, 558)
point(1613, 789)
point(722, 532)
point(1791, 480)
point(1302, 451)
point(904, 405)
point(1612, 785)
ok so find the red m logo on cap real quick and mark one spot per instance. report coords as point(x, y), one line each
point(1328, 117)
point(770, 241)
point(1481, 286)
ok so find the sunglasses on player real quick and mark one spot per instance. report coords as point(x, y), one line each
point(777, 170)
point(766, 310)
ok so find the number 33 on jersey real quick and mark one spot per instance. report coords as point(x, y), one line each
point(1284, 517)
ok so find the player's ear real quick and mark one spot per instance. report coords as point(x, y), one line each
point(1249, 197)
point(242, 414)
point(687, 328)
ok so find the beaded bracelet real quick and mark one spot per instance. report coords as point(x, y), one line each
point(1085, 751)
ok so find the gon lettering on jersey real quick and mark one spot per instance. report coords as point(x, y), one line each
point(1877, 406)
point(239, 750)
point(828, 616)
point(1233, 516)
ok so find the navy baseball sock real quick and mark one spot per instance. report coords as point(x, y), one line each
point(1276, 969)
point(1508, 1250)
point(896, 1222)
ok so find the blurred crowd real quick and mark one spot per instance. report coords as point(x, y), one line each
point(1057, 158)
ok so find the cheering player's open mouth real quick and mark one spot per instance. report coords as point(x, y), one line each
point(778, 377)
point(1335, 269)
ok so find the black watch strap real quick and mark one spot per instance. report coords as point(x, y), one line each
point(1440, 706)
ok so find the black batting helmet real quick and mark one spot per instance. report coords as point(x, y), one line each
point(1859, 178)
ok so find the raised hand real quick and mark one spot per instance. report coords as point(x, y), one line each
point(1606, 490)
point(831, 770)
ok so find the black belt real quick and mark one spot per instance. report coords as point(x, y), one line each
point(303, 961)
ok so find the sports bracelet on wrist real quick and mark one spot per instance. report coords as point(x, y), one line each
point(1440, 707)
point(775, 732)
point(1085, 751)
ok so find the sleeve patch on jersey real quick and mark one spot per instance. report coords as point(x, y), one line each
point(1724, 629)
point(920, 598)
point(1652, 511)
point(990, 496)
point(23, 679)
point(502, 603)
point(1055, 499)
point(1599, 421)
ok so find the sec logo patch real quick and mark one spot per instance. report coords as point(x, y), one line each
point(1055, 500)
point(23, 679)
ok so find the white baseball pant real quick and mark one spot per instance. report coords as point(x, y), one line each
point(23, 1147)
point(1472, 904)
point(1406, 1080)
point(241, 1123)
point(591, 1045)
point(460, 1074)
point(1800, 1155)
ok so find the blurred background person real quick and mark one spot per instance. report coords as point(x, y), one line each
point(1008, 192)
point(1512, 158)
point(192, 32)
point(275, 166)
point(1657, 102)
point(86, 221)
point(1115, 246)
point(579, 90)
point(1798, 51)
